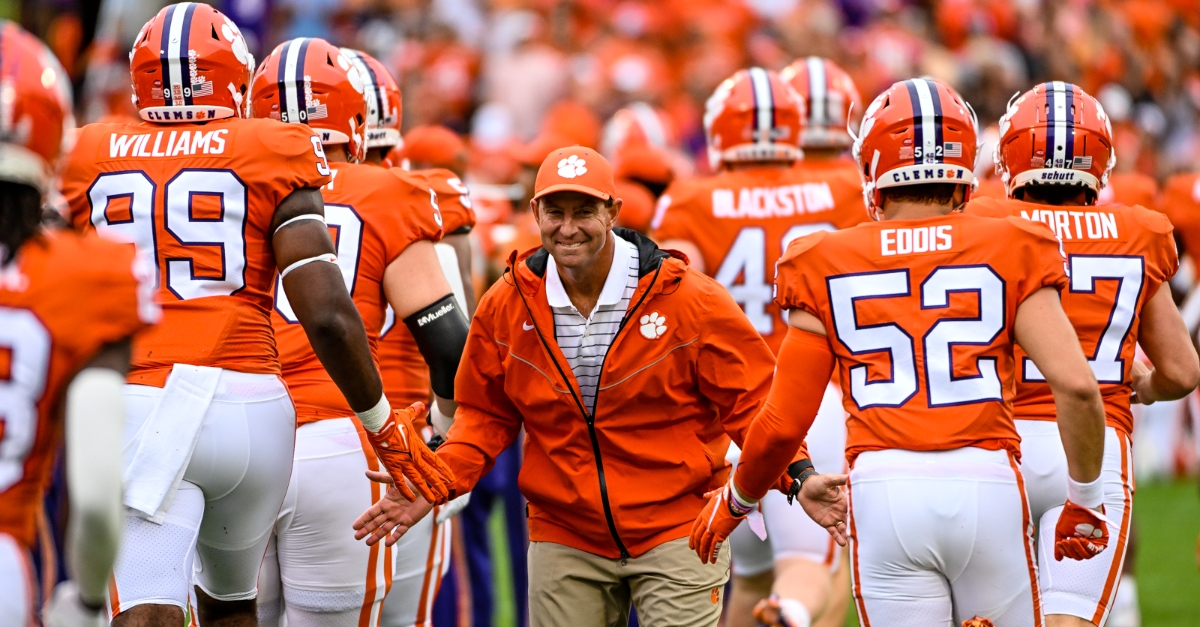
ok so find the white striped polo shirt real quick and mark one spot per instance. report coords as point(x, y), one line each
point(585, 341)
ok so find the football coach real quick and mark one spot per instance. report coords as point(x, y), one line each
point(630, 374)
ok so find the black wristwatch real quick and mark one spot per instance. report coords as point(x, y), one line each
point(799, 472)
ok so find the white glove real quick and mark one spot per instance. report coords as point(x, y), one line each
point(66, 610)
point(452, 509)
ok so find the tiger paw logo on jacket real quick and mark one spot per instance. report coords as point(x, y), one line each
point(653, 326)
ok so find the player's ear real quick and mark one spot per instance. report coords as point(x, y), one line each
point(614, 210)
point(960, 197)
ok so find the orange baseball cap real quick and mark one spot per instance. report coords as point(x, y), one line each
point(433, 144)
point(575, 169)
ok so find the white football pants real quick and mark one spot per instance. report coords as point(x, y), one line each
point(940, 537)
point(1087, 588)
point(221, 517)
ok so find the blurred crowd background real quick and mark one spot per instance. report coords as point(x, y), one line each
point(516, 78)
point(513, 79)
point(503, 72)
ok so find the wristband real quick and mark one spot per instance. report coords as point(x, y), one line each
point(739, 503)
point(798, 483)
point(795, 470)
point(1089, 495)
point(373, 419)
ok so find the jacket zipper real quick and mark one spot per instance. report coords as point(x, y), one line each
point(591, 420)
point(589, 417)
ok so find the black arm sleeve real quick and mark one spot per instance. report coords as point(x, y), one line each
point(441, 333)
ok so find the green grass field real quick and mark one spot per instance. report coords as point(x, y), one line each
point(1168, 520)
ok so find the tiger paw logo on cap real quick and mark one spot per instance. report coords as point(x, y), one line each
point(572, 167)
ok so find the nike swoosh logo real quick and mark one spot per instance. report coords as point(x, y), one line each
point(526, 326)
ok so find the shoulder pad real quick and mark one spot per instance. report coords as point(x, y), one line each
point(1151, 220)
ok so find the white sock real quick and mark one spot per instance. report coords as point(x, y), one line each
point(795, 613)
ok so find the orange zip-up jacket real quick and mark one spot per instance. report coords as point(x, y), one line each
point(633, 475)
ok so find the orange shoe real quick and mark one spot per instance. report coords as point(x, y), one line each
point(978, 622)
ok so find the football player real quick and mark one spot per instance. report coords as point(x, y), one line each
point(221, 203)
point(69, 305)
point(424, 557)
point(734, 226)
point(1055, 156)
point(385, 230)
point(1181, 202)
point(920, 312)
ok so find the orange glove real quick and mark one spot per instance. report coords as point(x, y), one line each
point(1080, 534)
point(714, 524)
point(404, 455)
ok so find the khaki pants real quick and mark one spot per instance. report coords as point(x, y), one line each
point(668, 586)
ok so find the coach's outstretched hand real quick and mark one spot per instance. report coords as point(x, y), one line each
point(392, 516)
point(824, 500)
point(403, 453)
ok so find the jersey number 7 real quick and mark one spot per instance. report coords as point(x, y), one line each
point(1086, 271)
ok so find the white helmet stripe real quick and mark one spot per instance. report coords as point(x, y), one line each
point(174, 30)
point(291, 59)
point(928, 117)
point(764, 104)
point(818, 98)
point(1058, 115)
point(650, 123)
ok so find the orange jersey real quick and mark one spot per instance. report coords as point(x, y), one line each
point(373, 214)
point(743, 220)
point(65, 297)
point(989, 188)
point(920, 314)
point(453, 199)
point(1129, 189)
point(1181, 202)
point(1118, 258)
point(405, 374)
point(200, 198)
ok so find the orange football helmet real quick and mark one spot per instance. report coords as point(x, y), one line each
point(918, 131)
point(35, 108)
point(383, 100)
point(753, 116)
point(636, 124)
point(1055, 134)
point(829, 98)
point(308, 80)
point(190, 63)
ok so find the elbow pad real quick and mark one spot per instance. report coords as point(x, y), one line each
point(441, 333)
